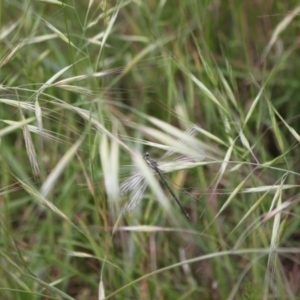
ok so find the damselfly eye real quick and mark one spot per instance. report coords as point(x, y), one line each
point(146, 154)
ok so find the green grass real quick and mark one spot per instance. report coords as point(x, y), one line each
point(86, 90)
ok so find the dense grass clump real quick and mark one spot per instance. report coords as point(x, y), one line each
point(87, 87)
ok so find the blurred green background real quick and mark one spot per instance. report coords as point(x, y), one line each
point(83, 86)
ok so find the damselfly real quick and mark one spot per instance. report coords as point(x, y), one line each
point(153, 165)
point(137, 183)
